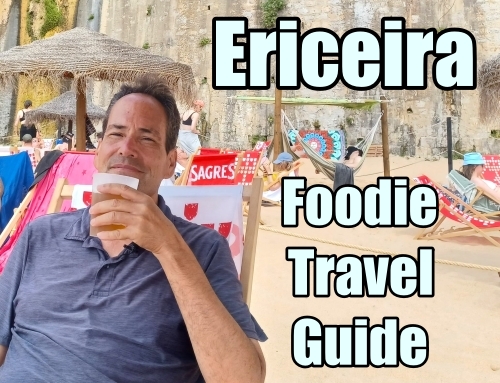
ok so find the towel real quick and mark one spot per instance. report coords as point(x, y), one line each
point(343, 176)
point(17, 175)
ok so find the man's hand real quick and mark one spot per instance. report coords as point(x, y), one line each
point(145, 224)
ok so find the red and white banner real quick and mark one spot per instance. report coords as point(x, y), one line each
point(213, 169)
point(216, 207)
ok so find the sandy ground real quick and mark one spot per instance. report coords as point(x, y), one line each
point(462, 320)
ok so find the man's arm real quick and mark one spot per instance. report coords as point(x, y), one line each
point(10, 279)
point(223, 350)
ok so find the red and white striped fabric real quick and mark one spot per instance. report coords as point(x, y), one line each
point(31, 154)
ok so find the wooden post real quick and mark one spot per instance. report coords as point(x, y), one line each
point(385, 137)
point(81, 105)
point(277, 142)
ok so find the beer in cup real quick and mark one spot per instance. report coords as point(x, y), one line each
point(107, 178)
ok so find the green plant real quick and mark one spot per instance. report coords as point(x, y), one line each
point(29, 25)
point(145, 46)
point(270, 120)
point(204, 81)
point(205, 41)
point(349, 120)
point(256, 138)
point(149, 10)
point(495, 133)
point(53, 17)
point(316, 124)
point(91, 17)
point(270, 9)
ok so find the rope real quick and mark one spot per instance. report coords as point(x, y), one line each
point(404, 166)
point(375, 251)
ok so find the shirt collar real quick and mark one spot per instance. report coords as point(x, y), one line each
point(80, 230)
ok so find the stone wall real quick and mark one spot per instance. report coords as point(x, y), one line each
point(417, 119)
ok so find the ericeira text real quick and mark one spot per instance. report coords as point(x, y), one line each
point(361, 59)
point(316, 345)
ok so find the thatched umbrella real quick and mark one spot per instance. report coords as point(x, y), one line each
point(63, 108)
point(489, 90)
point(79, 54)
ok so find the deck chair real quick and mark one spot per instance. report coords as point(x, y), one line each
point(78, 168)
point(247, 169)
point(205, 164)
point(475, 196)
point(177, 198)
point(491, 168)
point(471, 224)
point(295, 168)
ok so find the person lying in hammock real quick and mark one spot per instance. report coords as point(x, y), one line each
point(353, 157)
point(283, 168)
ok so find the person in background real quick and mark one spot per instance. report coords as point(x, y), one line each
point(283, 168)
point(188, 135)
point(67, 138)
point(472, 169)
point(353, 157)
point(25, 128)
point(89, 130)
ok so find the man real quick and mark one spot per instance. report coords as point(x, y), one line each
point(32, 150)
point(156, 301)
point(20, 119)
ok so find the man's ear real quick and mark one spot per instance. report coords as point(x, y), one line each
point(171, 162)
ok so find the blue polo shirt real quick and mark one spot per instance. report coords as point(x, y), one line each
point(70, 313)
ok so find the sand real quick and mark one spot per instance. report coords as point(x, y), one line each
point(462, 319)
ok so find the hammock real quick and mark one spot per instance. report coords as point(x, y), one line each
point(327, 167)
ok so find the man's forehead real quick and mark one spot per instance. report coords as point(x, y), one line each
point(137, 105)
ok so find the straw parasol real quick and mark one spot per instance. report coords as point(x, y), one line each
point(489, 90)
point(79, 54)
point(63, 108)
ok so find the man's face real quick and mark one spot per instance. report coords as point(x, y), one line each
point(134, 143)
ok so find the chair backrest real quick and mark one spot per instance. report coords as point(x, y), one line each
point(465, 187)
point(480, 199)
point(204, 151)
point(491, 168)
point(198, 205)
point(210, 169)
point(248, 167)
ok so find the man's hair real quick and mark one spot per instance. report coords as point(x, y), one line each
point(155, 87)
point(27, 104)
point(27, 138)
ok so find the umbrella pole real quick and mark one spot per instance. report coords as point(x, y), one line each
point(81, 104)
point(277, 143)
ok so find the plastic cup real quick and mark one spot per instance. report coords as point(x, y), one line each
point(107, 178)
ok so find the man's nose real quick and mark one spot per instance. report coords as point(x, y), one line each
point(128, 147)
